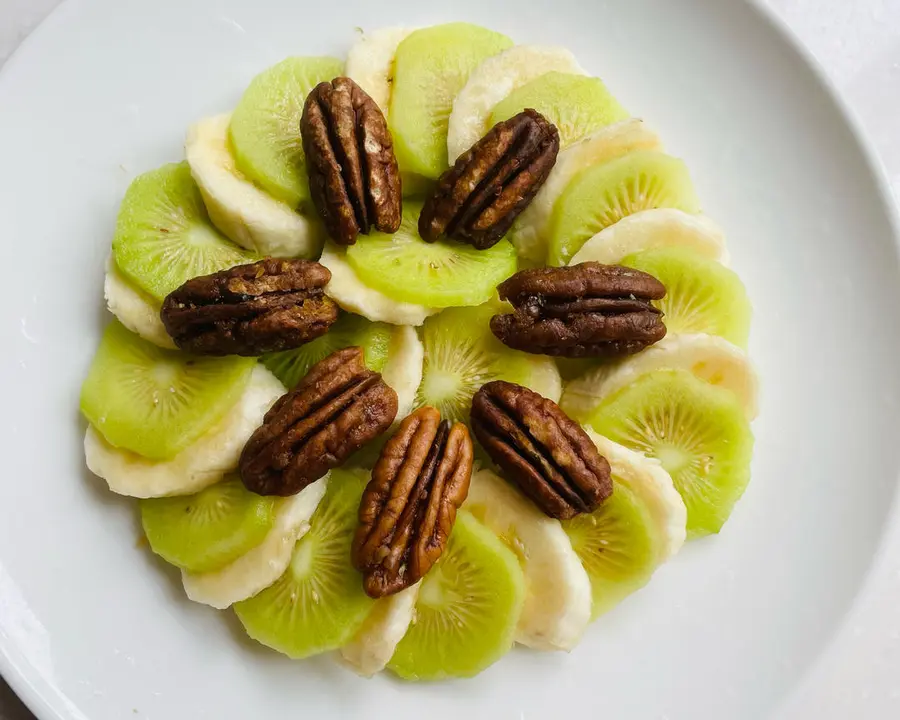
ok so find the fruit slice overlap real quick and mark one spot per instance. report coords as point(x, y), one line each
point(601, 195)
point(441, 274)
point(492, 81)
point(374, 644)
point(264, 129)
point(557, 605)
point(240, 210)
point(156, 402)
point(370, 62)
point(467, 610)
point(136, 310)
point(697, 431)
point(430, 67)
point(201, 464)
point(530, 232)
point(319, 603)
point(462, 354)
point(164, 236)
point(578, 105)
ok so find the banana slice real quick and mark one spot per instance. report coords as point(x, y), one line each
point(348, 291)
point(135, 310)
point(709, 357)
point(530, 231)
point(649, 229)
point(260, 567)
point(375, 642)
point(403, 369)
point(558, 592)
point(198, 466)
point(243, 212)
point(647, 479)
point(493, 80)
point(370, 62)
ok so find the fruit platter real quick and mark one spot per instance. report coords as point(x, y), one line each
point(421, 354)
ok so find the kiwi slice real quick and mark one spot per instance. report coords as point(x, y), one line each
point(265, 125)
point(164, 236)
point(618, 545)
point(601, 195)
point(319, 603)
point(374, 338)
point(699, 433)
point(207, 531)
point(441, 274)
point(468, 608)
point(578, 105)
point(462, 354)
point(702, 296)
point(156, 402)
point(430, 67)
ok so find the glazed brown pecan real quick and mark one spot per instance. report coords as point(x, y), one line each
point(354, 180)
point(409, 505)
point(477, 200)
point(541, 449)
point(338, 407)
point(274, 304)
point(585, 310)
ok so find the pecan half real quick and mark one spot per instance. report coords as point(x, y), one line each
point(270, 305)
point(585, 310)
point(541, 449)
point(354, 179)
point(409, 505)
point(477, 200)
point(338, 407)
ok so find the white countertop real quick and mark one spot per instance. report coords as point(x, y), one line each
point(858, 43)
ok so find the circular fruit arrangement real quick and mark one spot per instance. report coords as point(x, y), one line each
point(421, 355)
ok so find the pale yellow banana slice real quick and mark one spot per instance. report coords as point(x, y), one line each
point(201, 464)
point(709, 357)
point(403, 369)
point(348, 291)
point(374, 644)
point(370, 62)
point(135, 310)
point(255, 570)
point(650, 229)
point(529, 234)
point(558, 592)
point(492, 81)
point(242, 211)
point(647, 479)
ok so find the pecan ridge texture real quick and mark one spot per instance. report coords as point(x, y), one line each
point(541, 449)
point(409, 506)
point(271, 305)
point(354, 179)
point(338, 407)
point(584, 310)
point(477, 200)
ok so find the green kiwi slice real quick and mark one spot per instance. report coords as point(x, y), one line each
point(578, 105)
point(702, 295)
point(601, 195)
point(374, 338)
point(468, 608)
point(319, 603)
point(209, 530)
point(265, 125)
point(440, 274)
point(430, 67)
point(164, 236)
point(618, 545)
point(156, 402)
point(699, 433)
point(462, 354)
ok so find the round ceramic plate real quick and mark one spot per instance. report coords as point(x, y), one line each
point(91, 626)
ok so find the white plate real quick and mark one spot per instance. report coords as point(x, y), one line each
point(92, 627)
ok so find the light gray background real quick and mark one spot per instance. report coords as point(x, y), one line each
point(858, 43)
